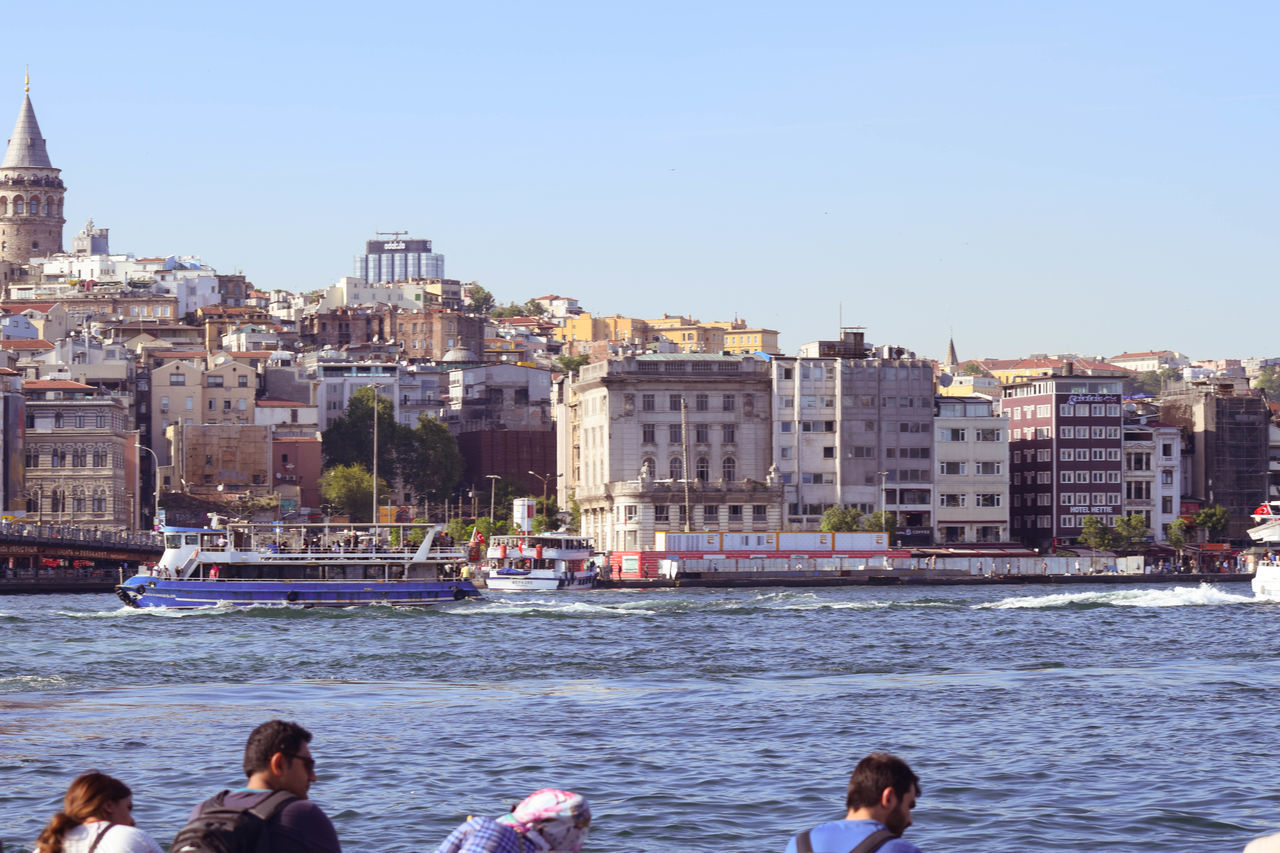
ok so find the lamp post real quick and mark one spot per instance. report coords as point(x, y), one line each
point(545, 478)
point(493, 481)
point(883, 475)
point(155, 514)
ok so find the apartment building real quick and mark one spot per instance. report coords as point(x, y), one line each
point(971, 447)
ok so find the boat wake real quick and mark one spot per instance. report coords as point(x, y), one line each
point(1182, 596)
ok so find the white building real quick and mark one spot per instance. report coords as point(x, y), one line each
point(668, 442)
point(971, 447)
point(1152, 473)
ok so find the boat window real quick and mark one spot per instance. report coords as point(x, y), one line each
point(173, 540)
point(192, 539)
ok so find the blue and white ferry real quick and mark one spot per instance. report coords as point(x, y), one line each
point(308, 565)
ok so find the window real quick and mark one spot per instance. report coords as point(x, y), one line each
point(702, 402)
point(728, 403)
point(702, 469)
point(951, 468)
point(951, 499)
point(702, 434)
point(735, 513)
point(675, 468)
point(728, 433)
point(674, 402)
point(1066, 454)
point(1166, 505)
point(1066, 477)
point(176, 378)
point(710, 513)
point(629, 512)
point(828, 453)
point(1065, 432)
point(647, 468)
point(242, 381)
point(760, 512)
point(987, 500)
point(647, 403)
point(946, 434)
point(673, 433)
point(213, 382)
point(647, 433)
point(987, 434)
point(986, 468)
point(785, 426)
point(729, 469)
point(785, 452)
point(661, 513)
point(1166, 478)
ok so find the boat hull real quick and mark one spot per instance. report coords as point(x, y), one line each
point(1266, 580)
point(516, 583)
point(146, 591)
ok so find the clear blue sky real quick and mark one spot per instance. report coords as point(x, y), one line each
point(1089, 176)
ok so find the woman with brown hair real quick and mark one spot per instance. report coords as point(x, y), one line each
point(96, 817)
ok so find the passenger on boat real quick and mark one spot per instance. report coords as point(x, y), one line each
point(97, 815)
point(882, 792)
point(546, 820)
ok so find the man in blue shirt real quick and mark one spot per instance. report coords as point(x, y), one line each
point(882, 793)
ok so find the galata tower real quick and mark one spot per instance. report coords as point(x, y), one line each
point(30, 196)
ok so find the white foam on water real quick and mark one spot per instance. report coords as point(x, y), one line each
point(1179, 596)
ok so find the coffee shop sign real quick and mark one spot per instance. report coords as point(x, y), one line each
point(1092, 398)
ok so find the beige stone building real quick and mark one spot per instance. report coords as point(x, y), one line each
point(668, 442)
point(971, 481)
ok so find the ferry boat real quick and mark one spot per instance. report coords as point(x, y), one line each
point(540, 561)
point(1266, 576)
point(309, 565)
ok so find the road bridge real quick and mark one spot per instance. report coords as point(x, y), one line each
point(64, 558)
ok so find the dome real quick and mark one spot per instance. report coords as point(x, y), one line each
point(458, 355)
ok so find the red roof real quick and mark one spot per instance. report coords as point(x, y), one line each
point(19, 344)
point(271, 403)
point(55, 385)
point(42, 307)
point(1149, 354)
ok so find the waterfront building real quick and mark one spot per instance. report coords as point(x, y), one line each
point(31, 197)
point(398, 259)
point(1143, 362)
point(500, 415)
point(1065, 454)
point(1226, 425)
point(1152, 472)
point(855, 430)
point(667, 442)
point(971, 448)
point(81, 468)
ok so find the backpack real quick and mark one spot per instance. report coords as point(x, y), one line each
point(220, 828)
point(870, 844)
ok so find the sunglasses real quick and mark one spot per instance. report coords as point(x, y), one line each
point(307, 762)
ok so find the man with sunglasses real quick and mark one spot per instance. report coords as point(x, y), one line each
point(280, 770)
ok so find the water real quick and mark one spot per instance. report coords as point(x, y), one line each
point(1039, 718)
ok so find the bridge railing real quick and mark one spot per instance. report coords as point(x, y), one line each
point(73, 533)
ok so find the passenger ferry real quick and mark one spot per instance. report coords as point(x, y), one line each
point(1266, 576)
point(310, 565)
point(540, 561)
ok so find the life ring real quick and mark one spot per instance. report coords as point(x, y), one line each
point(291, 596)
point(458, 594)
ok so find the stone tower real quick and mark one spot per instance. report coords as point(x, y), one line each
point(30, 197)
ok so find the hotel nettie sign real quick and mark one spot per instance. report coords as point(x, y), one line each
point(1093, 398)
point(1092, 510)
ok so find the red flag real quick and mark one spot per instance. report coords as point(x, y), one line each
point(1264, 509)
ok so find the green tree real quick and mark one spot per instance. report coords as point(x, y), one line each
point(570, 363)
point(841, 519)
point(1269, 381)
point(348, 440)
point(880, 522)
point(1095, 534)
point(482, 301)
point(1176, 536)
point(1213, 519)
point(972, 368)
point(534, 308)
point(1149, 383)
point(575, 514)
point(1131, 532)
point(430, 463)
point(349, 488)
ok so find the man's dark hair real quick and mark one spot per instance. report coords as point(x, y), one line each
point(269, 738)
point(878, 771)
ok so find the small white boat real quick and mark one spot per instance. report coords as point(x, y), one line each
point(540, 561)
point(1266, 576)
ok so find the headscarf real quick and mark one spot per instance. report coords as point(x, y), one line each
point(553, 820)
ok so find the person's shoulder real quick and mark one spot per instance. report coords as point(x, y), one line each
point(899, 845)
point(1267, 844)
point(301, 809)
point(128, 839)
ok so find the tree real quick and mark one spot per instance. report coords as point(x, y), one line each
point(575, 514)
point(1149, 383)
point(1176, 536)
point(841, 519)
point(1269, 381)
point(1213, 519)
point(482, 301)
point(1095, 534)
point(570, 363)
point(431, 462)
point(350, 489)
point(534, 308)
point(1131, 532)
point(348, 440)
point(972, 368)
point(881, 522)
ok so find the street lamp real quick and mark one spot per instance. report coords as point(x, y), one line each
point(155, 515)
point(883, 475)
point(544, 478)
point(493, 481)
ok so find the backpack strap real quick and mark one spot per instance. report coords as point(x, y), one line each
point(101, 835)
point(874, 841)
point(271, 805)
point(870, 844)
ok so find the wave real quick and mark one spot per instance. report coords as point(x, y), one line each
point(1180, 596)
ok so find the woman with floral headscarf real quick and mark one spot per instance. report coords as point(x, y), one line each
point(546, 821)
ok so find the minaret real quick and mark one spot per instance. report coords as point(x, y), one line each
point(30, 196)
point(951, 361)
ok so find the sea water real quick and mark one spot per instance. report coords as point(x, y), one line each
point(1038, 718)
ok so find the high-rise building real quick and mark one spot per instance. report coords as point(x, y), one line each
point(31, 194)
point(398, 259)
